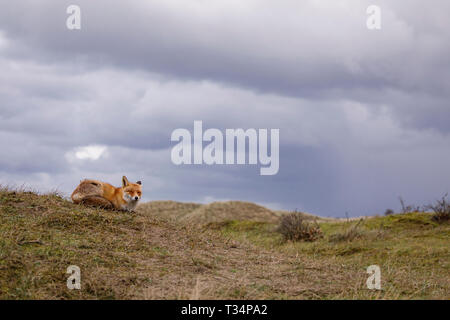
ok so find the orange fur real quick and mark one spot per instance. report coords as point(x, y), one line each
point(97, 193)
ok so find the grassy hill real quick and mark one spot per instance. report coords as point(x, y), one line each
point(213, 212)
point(158, 253)
point(216, 212)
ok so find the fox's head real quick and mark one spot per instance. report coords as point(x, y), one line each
point(132, 192)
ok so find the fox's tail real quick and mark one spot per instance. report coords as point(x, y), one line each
point(77, 198)
point(87, 188)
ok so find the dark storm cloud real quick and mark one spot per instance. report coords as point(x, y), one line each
point(307, 49)
point(312, 49)
point(363, 115)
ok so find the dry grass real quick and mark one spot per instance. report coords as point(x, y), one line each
point(213, 212)
point(353, 232)
point(168, 209)
point(144, 256)
point(411, 249)
point(126, 256)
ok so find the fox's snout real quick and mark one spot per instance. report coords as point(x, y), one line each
point(134, 197)
point(131, 197)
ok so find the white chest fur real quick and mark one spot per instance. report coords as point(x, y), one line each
point(130, 205)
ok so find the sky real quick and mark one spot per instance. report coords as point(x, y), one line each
point(363, 115)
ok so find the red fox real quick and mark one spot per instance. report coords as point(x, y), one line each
point(101, 194)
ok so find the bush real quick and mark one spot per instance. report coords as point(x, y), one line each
point(294, 227)
point(441, 210)
point(388, 212)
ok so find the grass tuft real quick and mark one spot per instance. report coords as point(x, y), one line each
point(294, 227)
point(349, 234)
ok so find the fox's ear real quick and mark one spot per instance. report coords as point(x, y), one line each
point(125, 181)
point(139, 183)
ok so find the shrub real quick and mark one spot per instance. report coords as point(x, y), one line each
point(388, 212)
point(295, 227)
point(441, 210)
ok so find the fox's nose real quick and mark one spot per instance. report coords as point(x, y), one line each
point(136, 198)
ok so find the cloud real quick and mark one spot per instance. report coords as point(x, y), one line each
point(92, 152)
point(363, 115)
